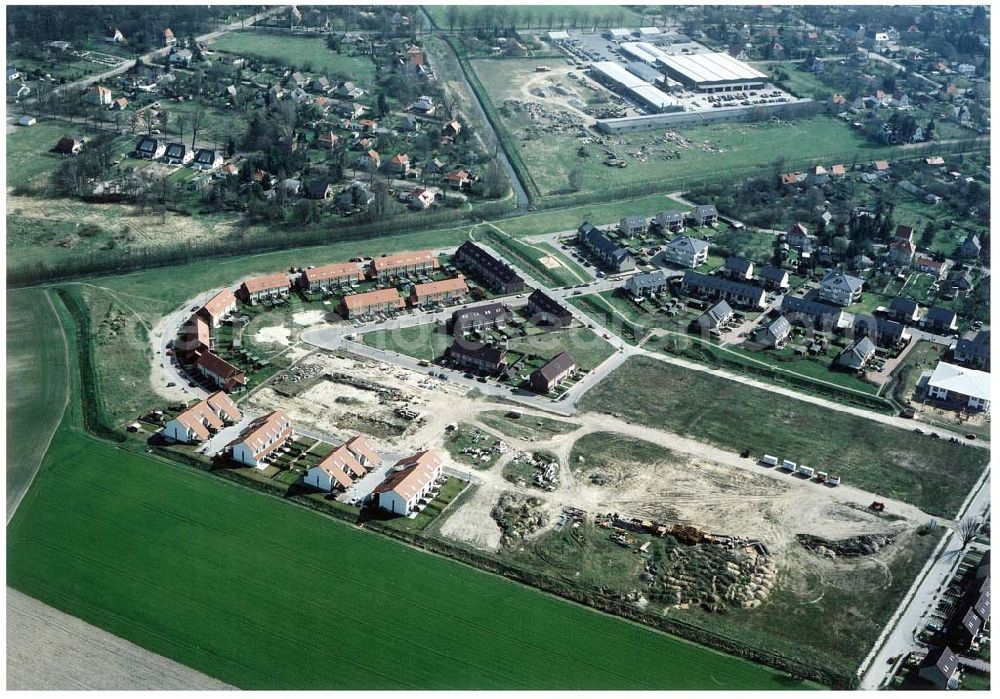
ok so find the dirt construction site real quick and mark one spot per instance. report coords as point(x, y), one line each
point(612, 481)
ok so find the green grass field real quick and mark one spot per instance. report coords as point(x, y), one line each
point(28, 158)
point(37, 376)
point(308, 54)
point(718, 150)
point(929, 473)
point(239, 585)
point(428, 341)
point(587, 348)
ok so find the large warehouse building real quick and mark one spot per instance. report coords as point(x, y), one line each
point(711, 72)
point(621, 80)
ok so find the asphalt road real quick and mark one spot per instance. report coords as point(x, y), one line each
point(899, 636)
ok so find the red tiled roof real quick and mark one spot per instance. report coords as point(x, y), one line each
point(211, 362)
point(265, 434)
point(440, 287)
point(359, 447)
point(414, 473)
point(373, 298)
point(217, 305)
point(337, 270)
point(404, 259)
point(223, 405)
point(269, 281)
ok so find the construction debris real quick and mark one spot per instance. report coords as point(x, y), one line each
point(864, 545)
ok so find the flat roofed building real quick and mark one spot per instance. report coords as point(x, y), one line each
point(326, 277)
point(955, 384)
point(403, 263)
point(377, 301)
point(548, 376)
point(267, 287)
point(495, 274)
point(262, 438)
point(437, 292)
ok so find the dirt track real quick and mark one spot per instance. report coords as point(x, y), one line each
point(49, 650)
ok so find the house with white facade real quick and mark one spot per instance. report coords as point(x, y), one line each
point(262, 438)
point(959, 386)
point(687, 251)
point(218, 307)
point(841, 289)
point(337, 471)
point(265, 288)
point(202, 420)
point(411, 481)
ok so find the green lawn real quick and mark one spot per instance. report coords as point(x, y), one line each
point(238, 585)
point(587, 348)
point(309, 54)
point(932, 474)
point(28, 158)
point(36, 383)
point(529, 427)
point(800, 83)
point(428, 341)
point(528, 257)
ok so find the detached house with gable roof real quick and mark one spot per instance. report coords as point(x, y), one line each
point(687, 251)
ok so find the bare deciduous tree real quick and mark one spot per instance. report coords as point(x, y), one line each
point(969, 528)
